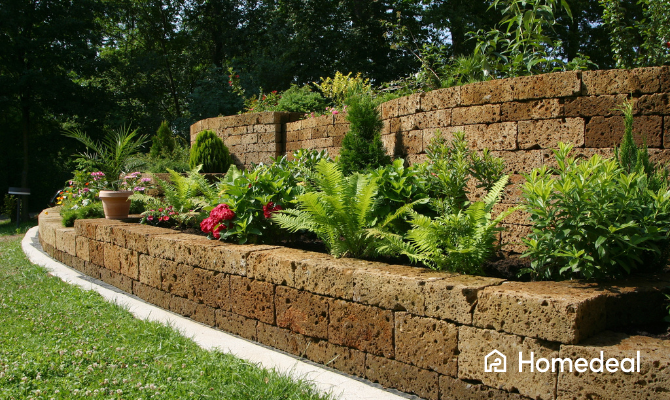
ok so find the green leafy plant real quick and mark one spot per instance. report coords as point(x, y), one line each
point(584, 225)
point(163, 142)
point(458, 241)
point(339, 212)
point(341, 87)
point(90, 210)
point(362, 146)
point(300, 99)
point(184, 196)
point(262, 102)
point(112, 154)
point(632, 158)
point(9, 207)
point(210, 152)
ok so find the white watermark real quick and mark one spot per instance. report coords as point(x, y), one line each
point(496, 361)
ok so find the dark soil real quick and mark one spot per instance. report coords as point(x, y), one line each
point(508, 267)
point(659, 330)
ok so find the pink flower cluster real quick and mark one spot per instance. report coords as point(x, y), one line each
point(270, 208)
point(215, 223)
point(155, 217)
point(97, 175)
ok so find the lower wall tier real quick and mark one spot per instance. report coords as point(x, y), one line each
point(419, 331)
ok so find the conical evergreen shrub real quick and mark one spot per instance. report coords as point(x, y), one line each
point(362, 147)
point(163, 142)
point(210, 151)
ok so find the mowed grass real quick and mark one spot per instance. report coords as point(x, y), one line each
point(60, 342)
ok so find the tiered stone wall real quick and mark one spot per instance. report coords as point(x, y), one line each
point(519, 119)
point(251, 138)
point(416, 330)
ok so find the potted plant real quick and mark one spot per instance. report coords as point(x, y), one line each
point(110, 156)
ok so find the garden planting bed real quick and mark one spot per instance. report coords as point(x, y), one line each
point(416, 330)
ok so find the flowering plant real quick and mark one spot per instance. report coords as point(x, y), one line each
point(220, 218)
point(82, 189)
point(160, 217)
point(262, 102)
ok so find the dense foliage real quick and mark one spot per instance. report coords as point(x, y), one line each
point(210, 152)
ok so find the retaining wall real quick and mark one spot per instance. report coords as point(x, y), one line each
point(519, 119)
point(416, 330)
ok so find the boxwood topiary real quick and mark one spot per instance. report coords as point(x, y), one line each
point(210, 151)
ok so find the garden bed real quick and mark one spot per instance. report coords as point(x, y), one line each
point(420, 331)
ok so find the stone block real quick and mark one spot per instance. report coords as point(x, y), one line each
point(361, 327)
point(121, 260)
point(534, 109)
point(183, 306)
point(407, 123)
point(433, 119)
point(493, 91)
point(301, 312)
point(620, 81)
point(426, 343)
point(322, 274)
point(456, 389)
point(406, 378)
point(136, 236)
point(269, 117)
point(176, 278)
point(666, 131)
point(557, 84)
point(502, 136)
point(65, 241)
point(441, 99)
point(594, 106)
point(281, 339)
point(103, 229)
point(607, 132)
point(204, 314)
point(115, 279)
point(389, 109)
point(510, 237)
point(276, 265)
point(82, 248)
point(651, 382)
point(92, 270)
point(410, 142)
point(409, 105)
point(653, 104)
point(77, 263)
point(389, 143)
point(151, 295)
point(484, 114)
point(85, 227)
point(150, 270)
point(252, 299)
point(341, 358)
point(455, 297)
point(548, 133)
point(210, 288)
point(557, 311)
point(236, 324)
point(393, 287)
point(475, 345)
point(520, 161)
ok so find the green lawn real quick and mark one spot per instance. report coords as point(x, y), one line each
point(60, 342)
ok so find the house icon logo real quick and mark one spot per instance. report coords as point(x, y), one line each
point(495, 361)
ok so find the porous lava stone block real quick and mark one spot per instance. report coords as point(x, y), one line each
point(276, 265)
point(493, 91)
point(204, 314)
point(65, 240)
point(426, 343)
point(454, 297)
point(103, 229)
point(120, 281)
point(651, 382)
point(228, 258)
point(236, 324)
point(556, 311)
point(136, 236)
point(456, 389)
point(658, 103)
point(607, 132)
point(393, 287)
point(401, 376)
point(210, 288)
point(594, 106)
point(176, 279)
point(252, 299)
point(92, 270)
point(121, 260)
point(152, 295)
point(441, 99)
point(364, 328)
point(476, 344)
point(302, 312)
point(281, 339)
point(534, 109)
point(547, 133)
point(608, 82)
point(183, 306)
point(557, 84)
point(150, 270)
point(82, 248)
point(484, 114)
point(341, 358)
point(324, 275)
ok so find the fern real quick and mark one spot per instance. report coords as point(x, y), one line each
point(458, 241)
point(340, 212)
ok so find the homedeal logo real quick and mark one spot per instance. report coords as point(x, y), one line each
point(496, 361)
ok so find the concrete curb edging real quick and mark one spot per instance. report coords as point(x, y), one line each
point(342, 386)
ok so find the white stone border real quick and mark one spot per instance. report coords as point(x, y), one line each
point(342, 386)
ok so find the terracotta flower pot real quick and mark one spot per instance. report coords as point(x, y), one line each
point(115, 203)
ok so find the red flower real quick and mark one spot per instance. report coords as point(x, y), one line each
point(221, 212)
point(150, 217)
point(270, 208)
point(207, 225)
point(237, 76)
point(216, 232)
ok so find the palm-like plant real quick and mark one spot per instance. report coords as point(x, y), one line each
point(458, 241)
point(339, 212)
point(112, 153)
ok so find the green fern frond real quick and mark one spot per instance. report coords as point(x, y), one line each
point(493, 196)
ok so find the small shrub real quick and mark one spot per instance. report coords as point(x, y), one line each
point(9, 207)
point(163, 142)
point(91, 210)
point(262, 102)
point(300, 99)
point(210, 152)
point(362, 146)
point(341, 87)
point(594, 220)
